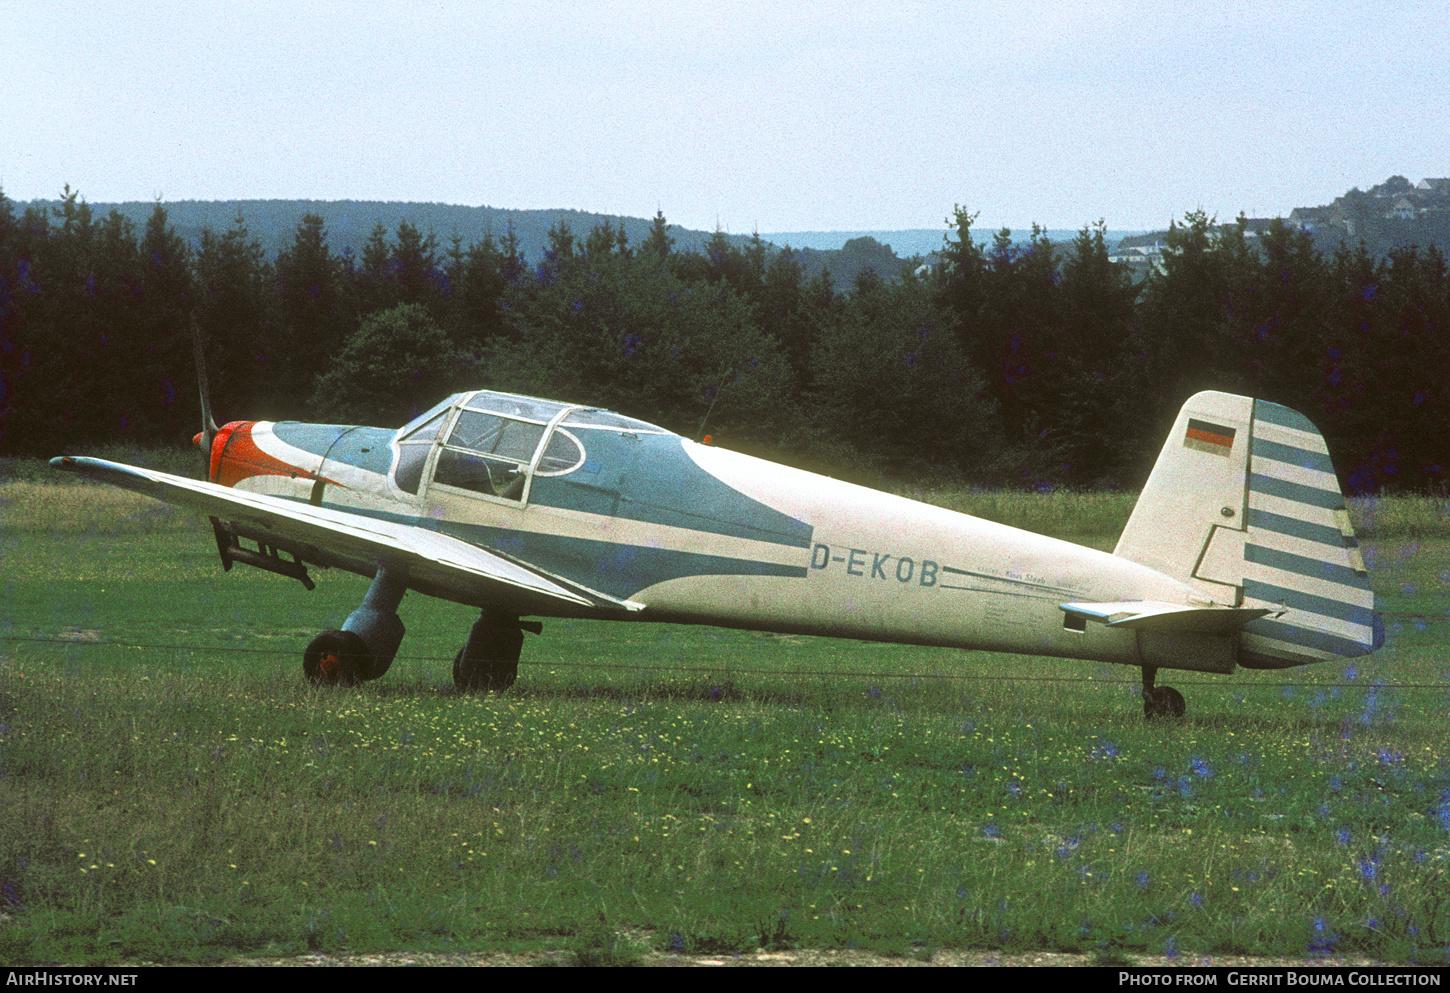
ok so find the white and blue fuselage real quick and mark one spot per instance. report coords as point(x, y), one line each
point(1239, 552)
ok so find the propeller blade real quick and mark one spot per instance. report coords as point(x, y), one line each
point(208, 422)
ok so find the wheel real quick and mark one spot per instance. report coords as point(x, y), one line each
point(1163, 703)
point(1177, 706)
point(477, 675)
point(336, 658)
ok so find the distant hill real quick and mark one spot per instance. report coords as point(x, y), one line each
point(846, 253)
point(1395, 214)
point(349, 223)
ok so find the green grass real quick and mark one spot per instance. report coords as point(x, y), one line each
point(716, 791)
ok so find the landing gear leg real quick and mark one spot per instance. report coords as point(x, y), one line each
point(490, 660)
point(1162, 702)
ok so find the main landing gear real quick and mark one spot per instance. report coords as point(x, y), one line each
point(490, 660)
point(369, 640)
point(367, 643)
point(1162, 702)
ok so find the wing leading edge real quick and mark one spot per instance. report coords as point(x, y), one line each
point(430, 560)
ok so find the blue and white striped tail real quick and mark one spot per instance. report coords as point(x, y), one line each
point(1300, 554)
point(1244, 508)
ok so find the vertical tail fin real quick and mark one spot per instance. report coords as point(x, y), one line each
point(1243, 505)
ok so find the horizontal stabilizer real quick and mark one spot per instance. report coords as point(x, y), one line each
point(1152, 615)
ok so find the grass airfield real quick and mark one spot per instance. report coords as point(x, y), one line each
point(172, 790)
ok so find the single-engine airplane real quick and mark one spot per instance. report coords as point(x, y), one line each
point(1238, 553)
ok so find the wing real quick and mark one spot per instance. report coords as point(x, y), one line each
point(1152, 615)
point(433, 563)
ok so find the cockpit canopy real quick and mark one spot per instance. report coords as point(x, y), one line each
point(493, 443)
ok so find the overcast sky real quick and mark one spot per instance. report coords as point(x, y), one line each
point(769, 116)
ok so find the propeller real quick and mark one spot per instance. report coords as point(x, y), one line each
point(208, 423)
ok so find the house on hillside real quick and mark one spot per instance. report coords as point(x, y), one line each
point(1309, 218)
point(1140, 253)
point(1254, 227)
point(1336, 215)
point(1403, 210)
point(1432, 196)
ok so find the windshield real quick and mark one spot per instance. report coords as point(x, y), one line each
point(413, 450)
point(428, 415)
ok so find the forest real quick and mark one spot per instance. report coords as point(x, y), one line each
point(1011, 364)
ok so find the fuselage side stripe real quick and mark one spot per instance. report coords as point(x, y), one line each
point(612, 568)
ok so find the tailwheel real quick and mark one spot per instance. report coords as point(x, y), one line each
point(1163, 703)
point(1160, 702)
point(336, 658)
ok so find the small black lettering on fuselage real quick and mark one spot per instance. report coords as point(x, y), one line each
point(876, 565)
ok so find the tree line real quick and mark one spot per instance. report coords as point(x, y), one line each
point(1009, 364)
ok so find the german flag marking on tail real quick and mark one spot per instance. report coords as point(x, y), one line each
point(1205, 436)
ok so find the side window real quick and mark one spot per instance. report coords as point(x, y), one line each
point(609, 419)
point(488, 454)
point(480, 474)
point(564, 454)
